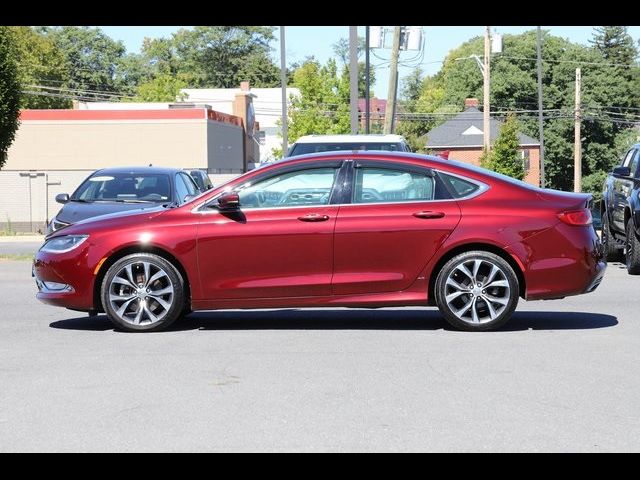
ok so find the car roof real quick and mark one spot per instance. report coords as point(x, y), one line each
point(138, 170)
point(430, 161)
point(372, 138)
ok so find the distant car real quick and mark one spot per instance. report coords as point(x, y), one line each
point(620, 208)
point(112, 190)
point(202, 179)
point(332, 143)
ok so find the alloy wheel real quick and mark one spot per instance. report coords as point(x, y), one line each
point(477, 291)
point(141, 293)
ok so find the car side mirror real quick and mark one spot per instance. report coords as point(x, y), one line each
point(62, 198)
point(229, 201)
point(622, 171)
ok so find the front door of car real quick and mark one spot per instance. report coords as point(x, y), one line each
point(622, 187)
point(278, 243)
point(391, 229)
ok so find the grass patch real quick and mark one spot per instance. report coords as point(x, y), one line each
point(16, 256)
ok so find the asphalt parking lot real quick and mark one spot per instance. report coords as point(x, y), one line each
point(562, 376)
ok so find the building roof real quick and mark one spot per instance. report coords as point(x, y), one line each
point(124, 114)
point(465, 130)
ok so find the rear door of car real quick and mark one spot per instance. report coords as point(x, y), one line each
point(392, 221)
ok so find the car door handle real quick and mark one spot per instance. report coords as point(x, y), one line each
point(313, 217)
point(428, 214)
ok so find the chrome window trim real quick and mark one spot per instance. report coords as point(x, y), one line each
point(483, 187)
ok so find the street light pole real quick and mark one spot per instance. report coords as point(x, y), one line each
point(390, 110)
point(367, 100)
point(487, 83)
point(353, 77)
point(540, 118)
point(283, 85)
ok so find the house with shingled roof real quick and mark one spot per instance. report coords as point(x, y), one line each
point(461, 138)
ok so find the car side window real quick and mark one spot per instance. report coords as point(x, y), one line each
point(458, 187)
point(181, 188)
point(375, 185)
point(633, 166)
point(301, 187)
point(190, 183)
point(627, 158)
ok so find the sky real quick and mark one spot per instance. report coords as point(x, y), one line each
point(304, 41)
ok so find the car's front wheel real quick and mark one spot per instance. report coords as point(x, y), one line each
point(477, 291)
point(143, 292)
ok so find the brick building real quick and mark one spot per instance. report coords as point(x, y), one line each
point(461, 138)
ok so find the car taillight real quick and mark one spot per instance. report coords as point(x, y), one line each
point(577, 217)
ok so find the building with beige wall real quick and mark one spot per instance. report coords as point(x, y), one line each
point(54, 150)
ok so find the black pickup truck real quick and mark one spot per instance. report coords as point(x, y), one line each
point(620, 210)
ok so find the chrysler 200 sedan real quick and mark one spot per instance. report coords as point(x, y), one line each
point(349, 229)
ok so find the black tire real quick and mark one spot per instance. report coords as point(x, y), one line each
point(632, 252)
point(498, 314)
point(611, 251)
point(171, 281)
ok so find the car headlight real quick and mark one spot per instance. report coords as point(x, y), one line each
point(63, 244)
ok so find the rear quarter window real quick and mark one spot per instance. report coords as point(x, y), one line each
point(458, 187)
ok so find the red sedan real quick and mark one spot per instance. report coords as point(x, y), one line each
point(350, 229)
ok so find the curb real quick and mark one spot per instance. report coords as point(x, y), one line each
point(21, 238)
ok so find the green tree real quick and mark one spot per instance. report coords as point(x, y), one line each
point(614, 44)
point(504, 156)
point(323, 104)
point(163, 88)
point(92, 60)
point(9, 91)
point(41, 68)
point(216, 56)
point(609, 96)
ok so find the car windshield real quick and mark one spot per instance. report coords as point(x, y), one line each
point(124, 187)
point(304, 148)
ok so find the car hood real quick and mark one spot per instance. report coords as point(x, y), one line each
point(74, 212)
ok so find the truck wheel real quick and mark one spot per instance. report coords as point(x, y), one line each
point(633, 250)
point(611, 251)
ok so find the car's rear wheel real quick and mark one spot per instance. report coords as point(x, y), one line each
point(143, 292)
point(611, 251)
point(477, 291)
point(632, 250)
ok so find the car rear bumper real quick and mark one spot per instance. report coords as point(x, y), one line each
point(560, 262)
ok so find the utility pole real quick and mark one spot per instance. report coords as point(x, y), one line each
point(540, 118)
point(393, 82)
point(487, 83)
point(283, 86)
point(367, 100)
point(577, 172)
point(353, 77)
